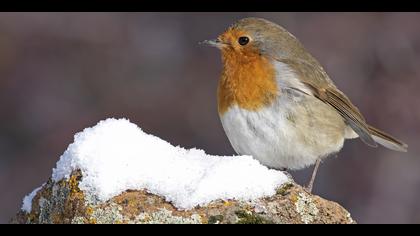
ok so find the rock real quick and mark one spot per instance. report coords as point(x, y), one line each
point(64, 202)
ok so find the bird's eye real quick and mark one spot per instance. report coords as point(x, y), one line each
point(243, 40)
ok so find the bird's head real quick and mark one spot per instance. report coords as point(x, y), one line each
point(255, 37)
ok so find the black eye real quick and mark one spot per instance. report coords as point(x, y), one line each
point(243, 40)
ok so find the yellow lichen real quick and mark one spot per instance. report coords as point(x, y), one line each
point(89, 210)
point(74, 184)
point(294, 198)
point(227, 203)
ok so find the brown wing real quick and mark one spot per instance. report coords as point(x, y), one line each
point(314, 77)
point(347, 110)
point(387, 140)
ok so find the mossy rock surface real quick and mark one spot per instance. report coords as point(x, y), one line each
point(64, 202)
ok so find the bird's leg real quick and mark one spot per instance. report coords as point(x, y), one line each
point(311, 182)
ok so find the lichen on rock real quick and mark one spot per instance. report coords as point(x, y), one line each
point(64, 202)
point(306, 208)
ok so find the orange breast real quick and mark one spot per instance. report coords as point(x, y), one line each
point(247, 81)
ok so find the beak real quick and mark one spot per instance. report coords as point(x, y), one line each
point(213, 43)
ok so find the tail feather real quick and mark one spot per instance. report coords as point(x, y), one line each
point(387, 140)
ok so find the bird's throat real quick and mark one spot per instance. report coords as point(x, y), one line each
point(247, 81)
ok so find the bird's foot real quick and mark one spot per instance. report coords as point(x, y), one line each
point(308, 188)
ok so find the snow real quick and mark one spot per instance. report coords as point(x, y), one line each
point(27, 200)
point(116, 155)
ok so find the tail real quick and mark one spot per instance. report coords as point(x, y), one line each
point(387, 140)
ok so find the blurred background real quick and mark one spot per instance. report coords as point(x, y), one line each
point(62, 72)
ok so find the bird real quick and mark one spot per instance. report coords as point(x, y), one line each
point(277, 103)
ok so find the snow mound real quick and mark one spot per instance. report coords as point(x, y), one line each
point(27, 200)
point(116, 155)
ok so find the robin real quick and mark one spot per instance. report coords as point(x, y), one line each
point(277, 104)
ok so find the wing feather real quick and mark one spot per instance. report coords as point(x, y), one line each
point(314, 77)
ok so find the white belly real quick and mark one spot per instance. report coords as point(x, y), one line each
point(285, 135)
